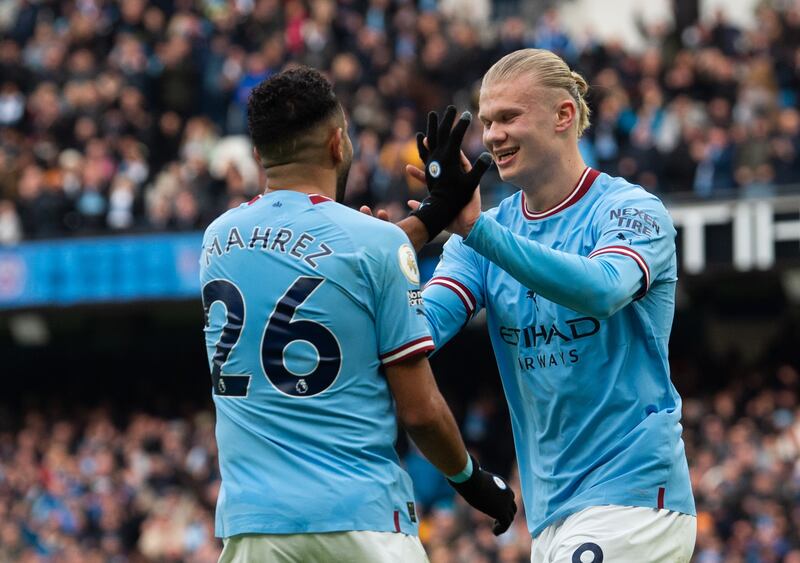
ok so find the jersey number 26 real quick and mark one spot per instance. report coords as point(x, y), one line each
point(280, 330)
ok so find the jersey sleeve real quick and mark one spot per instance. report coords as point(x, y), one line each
point(399, 317)
point(598, 286)
point(636, 235)
point(455, 292)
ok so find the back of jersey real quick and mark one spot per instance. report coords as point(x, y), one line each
point(305, 299)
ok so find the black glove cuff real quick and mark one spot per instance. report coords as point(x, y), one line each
point(435, 214)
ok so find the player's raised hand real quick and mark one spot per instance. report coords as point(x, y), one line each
point(468, 215)
point(449, 185)
point(490, 494)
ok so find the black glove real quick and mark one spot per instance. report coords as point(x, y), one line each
point(490, 494)
point(449, 186)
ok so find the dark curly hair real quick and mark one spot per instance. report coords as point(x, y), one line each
point(287, 105)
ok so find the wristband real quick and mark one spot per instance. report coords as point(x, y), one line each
point(465, 473)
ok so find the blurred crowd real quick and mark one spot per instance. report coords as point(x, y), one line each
point(129, 116)
point(91, 487)
point(743, 446)
point(105, 485)
point(85, 490)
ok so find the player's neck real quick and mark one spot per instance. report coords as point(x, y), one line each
point(551, 186)
point(309, 180)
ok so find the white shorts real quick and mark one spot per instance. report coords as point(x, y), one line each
point(618, 534)
point(333, 547)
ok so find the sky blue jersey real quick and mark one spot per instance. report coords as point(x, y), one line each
point(305, 301)
point(579, 302)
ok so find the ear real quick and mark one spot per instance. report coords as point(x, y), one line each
point(257, 158)
point(566, 114)
point(336, 146)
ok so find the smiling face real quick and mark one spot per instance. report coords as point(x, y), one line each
point(520, 127)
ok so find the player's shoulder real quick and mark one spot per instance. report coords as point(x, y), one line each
point(617, 198)
point(379, 244)
point(369, 231)
point(220, 223)
point(375, 242)
point(615, 190)
point(617, 195)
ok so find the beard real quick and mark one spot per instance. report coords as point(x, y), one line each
point(341, 180)
point(344, 168)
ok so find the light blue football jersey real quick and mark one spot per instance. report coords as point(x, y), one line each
point(581, 345)
point(305, 301)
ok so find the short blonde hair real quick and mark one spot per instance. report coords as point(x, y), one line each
point(551, 72)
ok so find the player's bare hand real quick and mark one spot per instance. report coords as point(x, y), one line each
point(416, 173)
point(381, 214)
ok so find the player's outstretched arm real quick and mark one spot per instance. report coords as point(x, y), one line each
point(593, 286)
point(428, 420)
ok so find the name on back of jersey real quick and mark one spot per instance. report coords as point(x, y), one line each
point(302, 246)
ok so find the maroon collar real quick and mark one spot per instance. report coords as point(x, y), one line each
point(584, 183)
point(318, 198)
